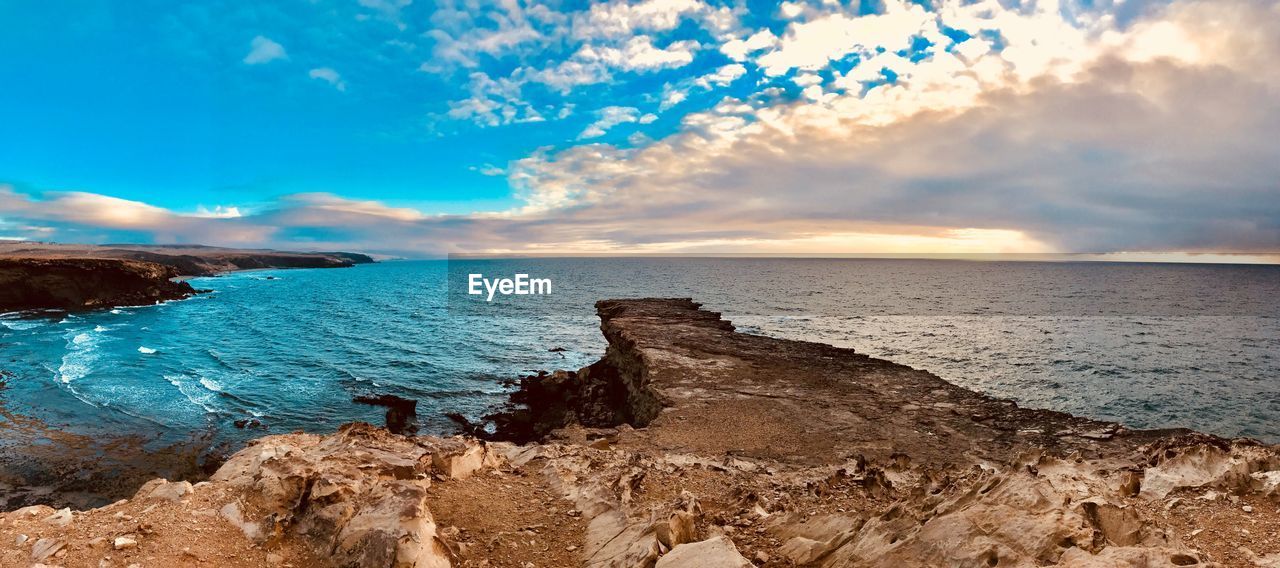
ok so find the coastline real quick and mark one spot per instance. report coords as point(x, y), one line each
point(690, 443)
point(43, 276)
point(38, 280)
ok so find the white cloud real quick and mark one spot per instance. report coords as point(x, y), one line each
point(493, 102)
point(721, 77)
point(973, 48)
point(263, 50)
point(329, 202)
point(610, 117)
point(462, 32)
point(218, 212)
point(813, 44)
point(671, 96)
point(591, 46)
point(489, 170)
point(565, 76)
point(329, 76)
point(621, 19)
point(639, 54)
point(740, 49)
point(790, 10)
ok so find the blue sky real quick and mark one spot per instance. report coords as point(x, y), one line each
point(156, 102)
point(413, 127)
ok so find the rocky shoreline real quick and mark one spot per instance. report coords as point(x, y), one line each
point(45, 276)
point(692, 445)
point(85, 283)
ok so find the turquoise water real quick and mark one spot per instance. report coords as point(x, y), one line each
point(1149, 345)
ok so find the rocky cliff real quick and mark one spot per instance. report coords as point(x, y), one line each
point(85, 283)
point(691, 445)
point(73, 277)
point(189, 260)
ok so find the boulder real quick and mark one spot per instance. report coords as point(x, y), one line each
point(718, 552)
point(164, 489)
point(400, 411)
point(45, 548)
point(360, 495)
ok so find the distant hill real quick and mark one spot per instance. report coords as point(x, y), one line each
point(188, 260)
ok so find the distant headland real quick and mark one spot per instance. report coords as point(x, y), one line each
point(37, 276)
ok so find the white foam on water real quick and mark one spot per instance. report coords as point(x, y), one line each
point(21, 325)
point(81, 397)
point(82, 353)
point(210, 384)
point(146, 350)
point(198, 397)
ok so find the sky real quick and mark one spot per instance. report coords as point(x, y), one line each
point(415, 128)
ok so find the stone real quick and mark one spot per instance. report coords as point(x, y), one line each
point(676, 530)
point(164, 489)
point(46, 548)
point(33, 511)
point(457, 459)
point(124, 543)
point(62, 517)
point(718, 552)
point(400, 411)
point(231, 512)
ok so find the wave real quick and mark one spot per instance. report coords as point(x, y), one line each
point(199, 397)
point(80, 357)
point(81, 397)
point(21, 325)
point(146, 350)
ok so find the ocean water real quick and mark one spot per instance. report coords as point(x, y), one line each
point(1149, 345)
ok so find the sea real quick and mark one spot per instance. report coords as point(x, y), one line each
point(1149, 345)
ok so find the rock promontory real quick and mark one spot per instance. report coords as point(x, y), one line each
point(37, 276)
point(692, 445)
point(85, 283)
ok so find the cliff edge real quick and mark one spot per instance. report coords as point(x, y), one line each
point(77, 277)
point(85, 283)
point(691, 445)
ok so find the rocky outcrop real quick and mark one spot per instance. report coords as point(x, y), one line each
point(77, 277)
point(355, 498)
point(686, 372)
point(188, 260)
point(85, 283)
point(401, 412)
point(692, 445)
point(352, 257)
point(615, 390)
